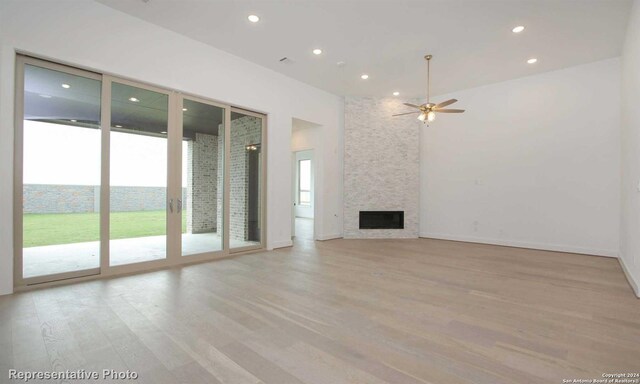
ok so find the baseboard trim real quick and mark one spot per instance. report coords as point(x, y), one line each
point(281, 244)
point(634, 285)
point(523, 244)
point(329, 237)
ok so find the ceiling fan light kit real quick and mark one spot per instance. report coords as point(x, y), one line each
point(427, 112)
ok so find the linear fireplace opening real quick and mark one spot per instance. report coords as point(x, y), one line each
point(381, 219)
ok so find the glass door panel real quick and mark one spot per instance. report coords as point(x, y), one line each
point(138, 175)
point(245, 197)
point(61, 148)
point(203, 154)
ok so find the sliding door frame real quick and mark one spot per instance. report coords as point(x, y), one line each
point(174, 185)
point(170, 245)
point(263, 184)
point(225, 191)
point(18, 173)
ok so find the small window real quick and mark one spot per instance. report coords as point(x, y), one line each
point(304, 182)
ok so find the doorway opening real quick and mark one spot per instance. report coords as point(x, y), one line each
point(304, 193)
point(305, 160)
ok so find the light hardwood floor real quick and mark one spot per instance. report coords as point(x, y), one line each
point(342, 311)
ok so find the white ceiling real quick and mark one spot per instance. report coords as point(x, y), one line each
point(471, 40)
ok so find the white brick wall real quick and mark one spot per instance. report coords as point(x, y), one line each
point(244, 131)
point(220, 181)
point(381, 165)
point(204, 178)
point(202, 184)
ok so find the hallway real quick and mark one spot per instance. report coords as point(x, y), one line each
point(304, 232)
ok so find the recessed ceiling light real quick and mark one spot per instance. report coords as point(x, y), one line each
point(518, 29)
point(133, 99)
point(317, 51)
point(341, 63)
point(184, 109)
point(46, 96)
point(364, 76)
point(163, 132)
point(118, 126)
point(67, 86)
point(74, 120)
point(396, 93)
point(532, 60)
point(253, 18)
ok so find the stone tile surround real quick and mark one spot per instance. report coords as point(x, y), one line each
point(381, 164)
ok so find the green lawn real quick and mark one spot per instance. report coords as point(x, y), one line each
point(65, 228)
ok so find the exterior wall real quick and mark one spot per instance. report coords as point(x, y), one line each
point(244, 131)
point(44, 198)
point(188, 196)
point(202, 184)
point(381, 165)
point(130, 199)
point(220, 181)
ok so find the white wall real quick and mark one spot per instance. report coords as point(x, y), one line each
point(306, 135)
point(534, 162)
point(630, 218)
point(94, 36)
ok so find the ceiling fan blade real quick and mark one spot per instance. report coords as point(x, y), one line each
point(449, 110)
point(412, 105)
point(445, 103)
point(408, 113)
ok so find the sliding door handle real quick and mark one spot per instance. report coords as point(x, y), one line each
point(179, 205)
point(171, 205)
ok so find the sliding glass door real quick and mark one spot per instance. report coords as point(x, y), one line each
point(115, 176)
point(138, 175)
point(202, 176)
point(246, 179)
point(58, 139)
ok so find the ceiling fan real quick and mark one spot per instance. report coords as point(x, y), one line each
point(428, 110)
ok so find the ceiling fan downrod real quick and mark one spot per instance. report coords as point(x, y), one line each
point(428, 58)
